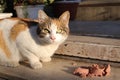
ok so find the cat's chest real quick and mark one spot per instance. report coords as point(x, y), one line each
point(46, 50)
point(49, 48)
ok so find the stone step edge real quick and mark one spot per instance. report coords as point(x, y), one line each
point(103, 51)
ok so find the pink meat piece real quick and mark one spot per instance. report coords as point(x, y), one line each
point(94, 70)
point(82, 72)
point(107, 70)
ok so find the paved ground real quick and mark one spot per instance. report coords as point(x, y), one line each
point(58, 69)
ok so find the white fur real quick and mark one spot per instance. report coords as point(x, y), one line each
point(6, 26)
point(29, 46)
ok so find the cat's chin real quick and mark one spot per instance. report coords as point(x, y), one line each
point(51, 42)
point(46, 41)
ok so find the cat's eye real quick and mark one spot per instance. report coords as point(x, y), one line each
point(46, 31)
point(59, 31)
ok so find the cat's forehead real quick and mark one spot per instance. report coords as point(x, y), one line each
point(52, 24)
point(55, 23)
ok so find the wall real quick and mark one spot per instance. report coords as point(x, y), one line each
point(96, 10)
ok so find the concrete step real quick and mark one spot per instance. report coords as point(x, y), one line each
point(98, 10)
point(97, 2)
point(106, 29)
point(91, 47)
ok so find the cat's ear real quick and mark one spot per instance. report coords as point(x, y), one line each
point(42, 16)
point(65, 17)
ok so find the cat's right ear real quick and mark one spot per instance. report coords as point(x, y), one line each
point(42, 16)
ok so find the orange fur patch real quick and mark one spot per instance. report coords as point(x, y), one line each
point(3, 45)
point(57, 22)
point(61, 25)
point(16, 29)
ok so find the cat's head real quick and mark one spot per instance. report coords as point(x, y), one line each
point(53, 30)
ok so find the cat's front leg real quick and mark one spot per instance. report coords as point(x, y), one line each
point(33, 60)
point(35, 63)
point(45, 59)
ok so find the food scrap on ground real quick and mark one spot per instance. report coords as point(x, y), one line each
point(94, 70)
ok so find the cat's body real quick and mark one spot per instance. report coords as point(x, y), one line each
point(19, 42)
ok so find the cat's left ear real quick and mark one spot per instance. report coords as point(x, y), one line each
point(42, 16)
point(65, 17)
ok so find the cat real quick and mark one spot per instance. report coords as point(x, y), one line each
point(19, 41)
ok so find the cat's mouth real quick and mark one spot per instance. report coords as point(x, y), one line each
point(52, 41)
point(46, 41)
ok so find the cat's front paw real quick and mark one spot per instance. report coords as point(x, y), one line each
point(36, 65)
point(48, 59)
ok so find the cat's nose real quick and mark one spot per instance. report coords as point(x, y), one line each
point(52, 38)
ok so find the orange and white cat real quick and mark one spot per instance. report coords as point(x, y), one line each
point(37, 44)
